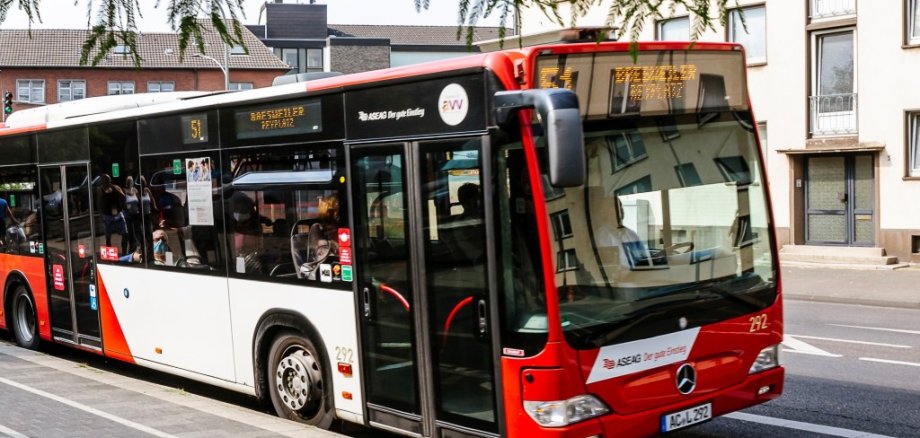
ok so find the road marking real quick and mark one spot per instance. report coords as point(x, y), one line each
point(91, 410)
point(798, 425)
point(912, 332)
point(879, 344)
point(796, 346)
point(893, 362)
point(12, 433)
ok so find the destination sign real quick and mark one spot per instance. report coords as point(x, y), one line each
point(301, 117)
point(655, 82)
point(194, 128)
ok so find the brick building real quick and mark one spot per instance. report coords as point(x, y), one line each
point(44, 68)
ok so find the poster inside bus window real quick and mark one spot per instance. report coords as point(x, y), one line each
point(287, 118)
point(666, 82)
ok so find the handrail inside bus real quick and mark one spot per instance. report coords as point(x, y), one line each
point(395, 294)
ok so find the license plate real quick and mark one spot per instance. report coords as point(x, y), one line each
point(686, 417)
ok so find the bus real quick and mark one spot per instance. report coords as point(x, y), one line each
point(570, 239)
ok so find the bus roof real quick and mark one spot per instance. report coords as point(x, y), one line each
point(503, 63)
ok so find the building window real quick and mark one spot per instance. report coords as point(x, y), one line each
point(161, 87)
point(762, 130)
point(833, 104)
point(121, 49)
point(913, 21)
point(641, 185)
point(30, 91)
point(121, 87)
point(314, 60)
point(831, 8)
point(562, 225)
point(675, 29)
point(240, 86)
point(566, 261)
point(237, 49)
point(913, 144)
point(754, 39)
point(289, 56)
point(688, 175)
point(625, 148)
point(69, 90)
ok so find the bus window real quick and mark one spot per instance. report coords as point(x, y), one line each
point(185, 212)
point(19, 211)
point(284, 208)
point(114, 165)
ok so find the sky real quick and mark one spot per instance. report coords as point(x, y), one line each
point(65, 15)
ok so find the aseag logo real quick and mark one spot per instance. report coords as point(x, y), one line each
point(453, 104)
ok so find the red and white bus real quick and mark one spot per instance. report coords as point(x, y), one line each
point(559, 240)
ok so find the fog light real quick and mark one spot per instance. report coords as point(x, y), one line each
point(767, 359)
point(764, 389)
point(560, 413)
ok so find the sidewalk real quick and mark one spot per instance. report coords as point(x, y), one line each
point(889, 288)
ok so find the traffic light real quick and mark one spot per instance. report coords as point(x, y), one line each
point(7, 102)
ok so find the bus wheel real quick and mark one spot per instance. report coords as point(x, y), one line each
point(297, 383)
point(25, 328)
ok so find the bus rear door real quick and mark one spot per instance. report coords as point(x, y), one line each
point(69, 250)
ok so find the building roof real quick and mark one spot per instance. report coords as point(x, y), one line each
point(61, 48)
point(413, 35)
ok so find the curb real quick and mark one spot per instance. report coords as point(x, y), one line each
point(847, 300)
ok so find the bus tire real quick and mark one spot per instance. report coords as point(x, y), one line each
point(300, 389)
point(24, 320)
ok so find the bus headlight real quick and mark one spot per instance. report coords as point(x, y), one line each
point(565, 412)
point(768, 358)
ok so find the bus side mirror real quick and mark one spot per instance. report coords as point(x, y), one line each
point(561, 119)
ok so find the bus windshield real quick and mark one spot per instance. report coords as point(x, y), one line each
point(671, 229)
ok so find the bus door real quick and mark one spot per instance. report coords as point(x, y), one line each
point(423, 276)
point(70, 253)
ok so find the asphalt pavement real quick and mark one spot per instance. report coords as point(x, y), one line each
point(888, 288)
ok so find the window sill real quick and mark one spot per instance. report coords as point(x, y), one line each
point(757, 64)
point(911, 45)
point(911, 178)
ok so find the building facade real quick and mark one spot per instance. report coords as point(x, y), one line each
point(839, 122)
point(301, 36)
point(44, 67)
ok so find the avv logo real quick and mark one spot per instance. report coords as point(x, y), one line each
point(453, 104)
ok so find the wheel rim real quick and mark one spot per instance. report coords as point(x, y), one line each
point(298, 379)
point(25, 317)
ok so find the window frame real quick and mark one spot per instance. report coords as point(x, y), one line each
point(809, 8)
point(628, 137)
point(31, 88)
point(566, 260)
point(240, 86)
point(70, 88)
point(660, 24)
point(562, 224)
point(912, 144)
point(815, 67)
point(730, 30)
point(159, 85)
point(121, 86)
point(910, 10)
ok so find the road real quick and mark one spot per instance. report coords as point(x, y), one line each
point(852, 371)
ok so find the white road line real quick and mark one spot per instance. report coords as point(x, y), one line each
point(12, 433)
point(879, 344)
point(794, 345)
point(893, 362)
point(798, 425)
point(82, 407)
point(912, 332)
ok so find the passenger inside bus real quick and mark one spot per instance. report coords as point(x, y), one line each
point(246, 228)
point(320, 245)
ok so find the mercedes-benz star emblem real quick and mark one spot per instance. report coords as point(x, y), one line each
point(686, 378)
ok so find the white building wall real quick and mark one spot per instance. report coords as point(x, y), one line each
point(779, 92)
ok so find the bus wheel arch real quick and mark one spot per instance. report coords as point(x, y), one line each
point(21, 312)
point(287, 347)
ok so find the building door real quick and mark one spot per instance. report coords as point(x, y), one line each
point(423, 282)
point(840, 200)
point(70, 254)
